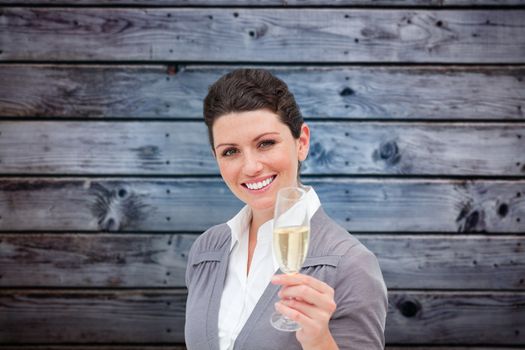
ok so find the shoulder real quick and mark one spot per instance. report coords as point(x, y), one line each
point(330, 238)
point(356, 264)
point(359, 289)
point(209, 246)
point(213, 239)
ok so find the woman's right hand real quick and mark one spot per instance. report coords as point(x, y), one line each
point(309, 302)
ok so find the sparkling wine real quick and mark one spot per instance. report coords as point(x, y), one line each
point(291, 246)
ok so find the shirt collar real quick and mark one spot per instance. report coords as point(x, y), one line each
point(239, 224)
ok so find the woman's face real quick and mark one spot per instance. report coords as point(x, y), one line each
point(257, 155)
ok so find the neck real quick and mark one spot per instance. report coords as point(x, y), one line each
point(259, 217)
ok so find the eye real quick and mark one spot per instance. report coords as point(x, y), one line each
point(266, 143)
point(229, 152)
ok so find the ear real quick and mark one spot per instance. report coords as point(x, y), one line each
point(303, 142)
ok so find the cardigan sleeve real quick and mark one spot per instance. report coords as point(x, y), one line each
point(362, 302)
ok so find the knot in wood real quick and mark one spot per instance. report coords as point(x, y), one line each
point(258, 32)
point(315, 149)
point(148, 152)
point(110, 225)
point(409, 308)
point(503, 209)
point(388, 152)
point(347, 92)
point(471, 221)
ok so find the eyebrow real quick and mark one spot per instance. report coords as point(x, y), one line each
point(255, 139)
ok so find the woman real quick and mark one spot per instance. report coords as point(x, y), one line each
point(259, 140)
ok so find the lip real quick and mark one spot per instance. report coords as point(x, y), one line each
point(264, 189)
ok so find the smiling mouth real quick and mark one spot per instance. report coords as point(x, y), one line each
point(259, 185)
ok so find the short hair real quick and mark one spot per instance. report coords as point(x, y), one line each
point(244, 90)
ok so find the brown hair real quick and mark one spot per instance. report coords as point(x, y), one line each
point(244, 90)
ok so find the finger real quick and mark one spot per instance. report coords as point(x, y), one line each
point(294, 315)
point(298, 278)
point(304, 293)
point(311, 311)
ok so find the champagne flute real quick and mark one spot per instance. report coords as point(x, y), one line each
point(291, 234)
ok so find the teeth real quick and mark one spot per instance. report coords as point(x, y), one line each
point(259, 185)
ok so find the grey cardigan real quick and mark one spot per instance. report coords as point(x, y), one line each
point(334, 256)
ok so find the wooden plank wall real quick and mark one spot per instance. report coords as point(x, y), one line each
point(417, 116)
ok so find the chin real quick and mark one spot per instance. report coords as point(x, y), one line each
point(262, 205)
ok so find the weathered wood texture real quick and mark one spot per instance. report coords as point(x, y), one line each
point(373, 114)
point(92, 316)
point(182, 347)
point(400, 347)
point(136, 260)
point(361, 205)
point(455, 317)
point(95, 260)
point(156, 316)
point(179, 148)
point(362, 92)
point(262, 35)
point(282, 3)
point(145, 347)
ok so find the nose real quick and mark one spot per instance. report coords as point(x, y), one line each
point(252, 164)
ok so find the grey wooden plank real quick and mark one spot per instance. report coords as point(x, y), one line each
point(134, 260)
point(189, 204)
point(453, 318)
point(262, 35)
point(182, 148)
point(416, 148)
point(102, 148)
point(113, 347)
point(182, 347)
point(280, 3)
point(450, 262)
point(92, 316)
point(361, 92)
point(100, 260)
point(432, 347)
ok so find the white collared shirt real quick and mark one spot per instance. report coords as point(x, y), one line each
point(242, 291)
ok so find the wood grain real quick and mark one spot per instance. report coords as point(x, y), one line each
point(183, 347)
point(455, 318)
point(362, 92)
point(123, 347)
point(92, 316)
point(190, 204)
point(276, 3)
point(421, 102)
point(136, 260)
point(100, 260)
point(182, 148)
point(262, 35)
point(157, 316)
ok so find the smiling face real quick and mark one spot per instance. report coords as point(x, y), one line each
point(257, 155)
